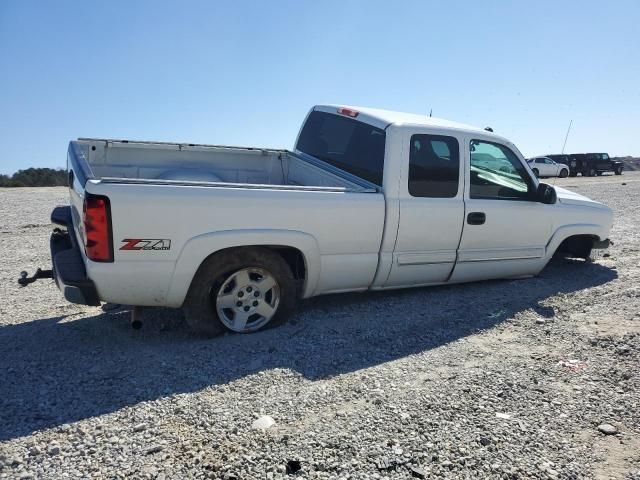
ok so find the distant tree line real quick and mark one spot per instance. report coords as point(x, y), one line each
point(35, 177)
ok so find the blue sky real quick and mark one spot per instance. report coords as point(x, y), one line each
point(246, 72)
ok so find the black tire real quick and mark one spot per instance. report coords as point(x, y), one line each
point(199, 306)
point(573, 174)
point(592, 172)
point(618, 171)
point(564, 173)
point(536, 172)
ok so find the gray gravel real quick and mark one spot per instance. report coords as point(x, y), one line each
point(533, 378)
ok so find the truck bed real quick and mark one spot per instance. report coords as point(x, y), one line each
point(157, 162)
point(200, 199)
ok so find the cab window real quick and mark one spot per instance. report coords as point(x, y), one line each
point(497, 173)
point(353, 146)
point(434, 166)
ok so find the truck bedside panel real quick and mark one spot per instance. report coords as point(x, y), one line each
point(338, 234)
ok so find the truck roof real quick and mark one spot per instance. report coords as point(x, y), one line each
point(384, 118)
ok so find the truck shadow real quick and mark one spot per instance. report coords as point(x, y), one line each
point(60, 370)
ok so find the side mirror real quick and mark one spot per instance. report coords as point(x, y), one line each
point(546, 194)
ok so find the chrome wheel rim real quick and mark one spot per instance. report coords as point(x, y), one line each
point(247, 300)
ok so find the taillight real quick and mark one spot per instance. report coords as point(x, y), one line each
point(97, 228)
point(348, 112)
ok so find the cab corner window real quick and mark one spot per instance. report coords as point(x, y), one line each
point(496, 173)
point(434, 166)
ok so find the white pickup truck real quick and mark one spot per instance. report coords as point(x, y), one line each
point(368, 200)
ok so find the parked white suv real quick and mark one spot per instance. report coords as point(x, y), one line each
point(545, 167)
point(368, 200)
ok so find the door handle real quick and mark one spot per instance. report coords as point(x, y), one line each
point(476, 218)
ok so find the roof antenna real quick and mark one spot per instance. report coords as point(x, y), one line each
point(430, 112)
point(566, 136)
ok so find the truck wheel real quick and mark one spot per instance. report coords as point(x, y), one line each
point(592, 172)
point(536, 172)
point(563, 173)
point(244, 290)
point(618, 171)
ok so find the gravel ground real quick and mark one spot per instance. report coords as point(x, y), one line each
point(534, 378)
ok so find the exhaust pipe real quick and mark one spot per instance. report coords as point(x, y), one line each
point(136, 321)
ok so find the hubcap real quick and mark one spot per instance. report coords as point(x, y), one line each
point(248, 299)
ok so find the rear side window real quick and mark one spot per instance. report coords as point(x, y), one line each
point(353, 146)
point(434, 166)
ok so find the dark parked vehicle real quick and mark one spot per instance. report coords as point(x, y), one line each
point(592, 164)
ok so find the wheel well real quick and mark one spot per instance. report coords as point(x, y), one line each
point(578, 245)
point(294, 258)
point(291, 255)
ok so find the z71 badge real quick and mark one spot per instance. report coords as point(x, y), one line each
point(146, 244)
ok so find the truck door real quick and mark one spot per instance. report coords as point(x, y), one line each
point(431, 210)
point(505, 231)
point(603, 162)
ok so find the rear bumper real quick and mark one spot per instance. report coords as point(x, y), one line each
point(68, 269)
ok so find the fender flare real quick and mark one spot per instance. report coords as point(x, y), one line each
point(200, 247)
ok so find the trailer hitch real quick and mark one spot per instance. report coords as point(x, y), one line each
point(25, 279)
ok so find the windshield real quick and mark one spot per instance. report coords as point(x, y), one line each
point(353, 146)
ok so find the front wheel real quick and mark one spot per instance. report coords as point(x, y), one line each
point(564, 173)
point(243, 291)
point(618, 171)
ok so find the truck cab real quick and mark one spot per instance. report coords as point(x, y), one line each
point(453, 195)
